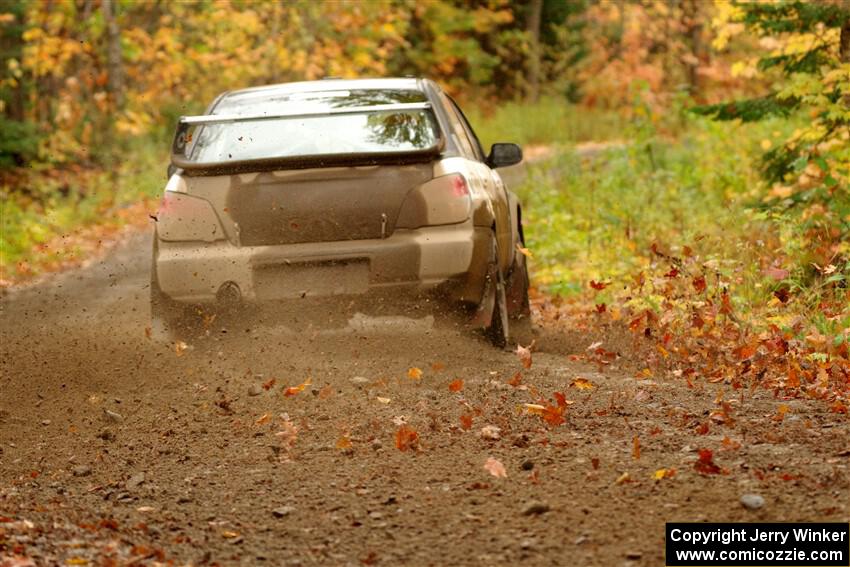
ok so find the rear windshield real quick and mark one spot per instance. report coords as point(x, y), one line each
point(370, 131)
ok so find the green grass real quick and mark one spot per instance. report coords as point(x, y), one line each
point(548, 122)
point(598, 218)
point(90, 198)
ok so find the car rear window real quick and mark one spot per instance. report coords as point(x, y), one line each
point(376, 129)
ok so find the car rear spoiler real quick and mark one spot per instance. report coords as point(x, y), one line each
point(193, 168)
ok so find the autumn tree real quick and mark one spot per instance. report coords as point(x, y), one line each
point(808, 175)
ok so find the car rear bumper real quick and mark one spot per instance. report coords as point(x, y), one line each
point(451, 260)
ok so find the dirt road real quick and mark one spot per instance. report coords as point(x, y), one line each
point(114, 448)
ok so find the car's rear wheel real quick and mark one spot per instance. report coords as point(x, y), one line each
point(498, 331)
point(519, 305)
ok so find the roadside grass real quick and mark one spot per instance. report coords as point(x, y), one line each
point(610, 216)
point(54, 221)
point(547, 122)
point(668, 239)
point(598, 217)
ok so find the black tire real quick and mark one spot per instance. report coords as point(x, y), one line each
point(519, 305)
point(498, 332)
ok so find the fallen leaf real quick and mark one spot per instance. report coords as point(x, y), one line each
point(383, 400)
point(414, 373)
point(263, 419)
point(582, 384)
point(456, 385)
point(635, 447)
point(535, 409)
point(594, 346)
point(705, 464)
point(780, 412)
point(293, 390)
point(623, 478)
point(406, 438)
point(524, 355)
point(516, 380)
point(594, 462)
point(268, 384)
point(466, 421)
point(598, 286)
point(664, 473)
point(495, 468)
point(553, 415)
point(180, 347)
point(343, 443)
point(644, 374)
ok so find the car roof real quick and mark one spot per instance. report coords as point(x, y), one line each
point(324, 85)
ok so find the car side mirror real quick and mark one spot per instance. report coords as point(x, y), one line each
point(504, 154)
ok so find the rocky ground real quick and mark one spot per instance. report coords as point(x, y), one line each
point(384, 443)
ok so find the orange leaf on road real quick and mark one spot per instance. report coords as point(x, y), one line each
point(582, 384)
point(705, 464)
point(516, 380)
point(414, 373)
point(406, 438)
point(664, 473)
point(293, 390)
point(456, 385)
point(466, 421)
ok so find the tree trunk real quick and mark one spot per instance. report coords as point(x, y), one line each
point(844, 48)
point(533, 29)
point(113, 54)
point(693, 33)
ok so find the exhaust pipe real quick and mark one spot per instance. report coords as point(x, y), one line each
point(229, 294)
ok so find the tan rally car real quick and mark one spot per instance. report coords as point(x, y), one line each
point(358, 190)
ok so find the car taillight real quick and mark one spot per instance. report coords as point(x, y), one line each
point(183, 217)
point(443, 200)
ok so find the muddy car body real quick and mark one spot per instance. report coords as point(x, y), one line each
point(347, 189)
